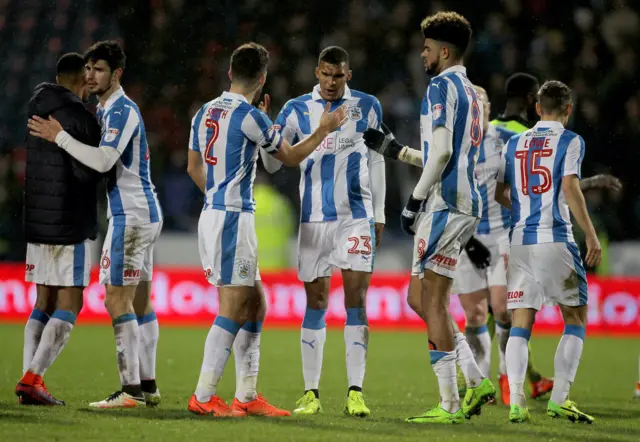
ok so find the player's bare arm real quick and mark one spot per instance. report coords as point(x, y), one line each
point(578, 207)
point(330, 121)
point(602, 181)
point(100, 159)
point(195, 169)
point(503, 195)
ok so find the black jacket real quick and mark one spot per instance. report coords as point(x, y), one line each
point(60, 202)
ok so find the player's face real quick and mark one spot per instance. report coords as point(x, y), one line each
point(431, 56)
point(100, 78)
point(332, 79)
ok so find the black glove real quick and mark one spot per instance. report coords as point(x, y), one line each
point(382, 142)
point(478, 253)
point(409, 215)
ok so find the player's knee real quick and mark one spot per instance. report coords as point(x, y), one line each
point(476, 315)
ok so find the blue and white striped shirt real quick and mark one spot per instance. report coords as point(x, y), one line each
point(495, 219)
point(451, 102)
point(334, 182)
point(533, 165)
point(131, 195)
point(227, 132)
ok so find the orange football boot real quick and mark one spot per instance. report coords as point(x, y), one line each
point(540, 388)
point(214, 407)
point(257, 407)
point(32, 391)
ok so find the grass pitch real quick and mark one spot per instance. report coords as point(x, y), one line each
point(399, 383)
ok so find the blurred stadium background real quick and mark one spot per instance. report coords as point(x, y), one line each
point(177, 59)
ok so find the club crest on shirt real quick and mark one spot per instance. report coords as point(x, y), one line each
point(354, 113)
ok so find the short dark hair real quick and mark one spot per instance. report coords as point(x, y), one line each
point(520, 85)
point(554, 97)
point(449, 27)
point(249, 62)
point(333, 55)
point(110, 51)
point(70, 64)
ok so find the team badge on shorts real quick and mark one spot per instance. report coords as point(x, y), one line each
point(243, 267)
point(355, 113)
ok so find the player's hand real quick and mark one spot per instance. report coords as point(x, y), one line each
point(409, 215)
point(604, 181)
point(478, 253)
point(45, 129)
point(330, 121)
point(594, 251)
point(382, 142)
point(379, 228)
point(265, 104)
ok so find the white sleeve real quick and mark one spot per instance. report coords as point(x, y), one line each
point(378, 185)
point(100, 158)
point(439, 155)
point(258, 128)
point(573, 157)
point(270, 163)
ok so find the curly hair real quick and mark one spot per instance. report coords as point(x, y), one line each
point(449, 27)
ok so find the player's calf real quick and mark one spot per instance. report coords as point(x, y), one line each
point(356, 330)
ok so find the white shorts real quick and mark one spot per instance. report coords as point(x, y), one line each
point(347, 244)
point(439, 239)
point(468, 278)
point(127, 253)
point(228, 247)
point(63, 266)
point(547, 274)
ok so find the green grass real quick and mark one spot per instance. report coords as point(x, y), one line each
point(399, 383)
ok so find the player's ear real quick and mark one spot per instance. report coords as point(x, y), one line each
point(569, 109)
point(538, 109)
point(230, 76)
point(317, 72)
point(349, 75)
point(445, 51)
point(263, 79)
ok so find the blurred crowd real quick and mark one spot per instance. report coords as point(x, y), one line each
point(178, 55)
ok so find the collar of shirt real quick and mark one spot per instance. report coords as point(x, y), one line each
point(315, 94)
point(456, 68)
point(235, 96)
point(112, 99)
point(548, 125)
